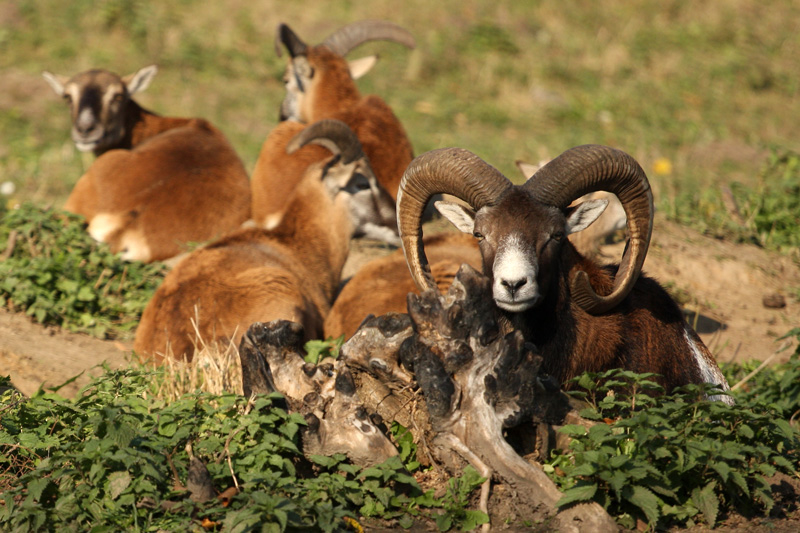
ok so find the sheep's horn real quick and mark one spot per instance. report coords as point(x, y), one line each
point(590, 168)
point(286, 37)
point(334, 135)
point(453, 171)
point(348, 37)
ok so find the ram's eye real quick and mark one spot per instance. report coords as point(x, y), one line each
point(557, 236)
point(478, 235)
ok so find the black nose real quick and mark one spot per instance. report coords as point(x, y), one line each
point(513, 285)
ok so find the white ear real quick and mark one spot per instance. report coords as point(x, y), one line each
point(584, 214)
point(56, 82)
point(527, 169)
point(359, 67)
point(461, 217)
point(140, 80)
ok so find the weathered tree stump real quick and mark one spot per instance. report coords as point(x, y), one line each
point(446, 371)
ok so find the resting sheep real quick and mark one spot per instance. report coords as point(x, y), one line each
point(319, 85)
point(382, 285)
point(579, 315)
point(158, 182)
point(290, 272)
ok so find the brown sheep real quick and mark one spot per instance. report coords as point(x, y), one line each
point(319, 85)
point(579, 315)
point(290, 272)
point(158, 183)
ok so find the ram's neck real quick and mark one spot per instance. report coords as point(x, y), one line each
point(567, 337)
point(334, 90)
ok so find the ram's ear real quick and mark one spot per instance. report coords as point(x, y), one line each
point(56, 81)
point(460, 216)
point(140, 80)
point(359, 67)
point(526, 169)
point(584, 214)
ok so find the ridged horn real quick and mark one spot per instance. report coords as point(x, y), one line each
point(286, 37)
point(590, 168)
point(348, 37)
point(453, 171)
point(334, 135)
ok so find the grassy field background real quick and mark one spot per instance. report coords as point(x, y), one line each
point(703, 94)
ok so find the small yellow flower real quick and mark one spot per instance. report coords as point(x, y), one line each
point(662, 166)
point(354, 525)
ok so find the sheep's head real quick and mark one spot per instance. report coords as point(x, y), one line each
point(349, 178)
point(522, 229)
point(520, 240)
point(318, 78)
point(98, 102)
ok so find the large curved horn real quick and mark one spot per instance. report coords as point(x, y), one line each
point(453, 171)
point(286, 37)
point(590, 168)
point(334, 135)
point(348, 37)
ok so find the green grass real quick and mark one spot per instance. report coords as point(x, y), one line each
point(708, 87)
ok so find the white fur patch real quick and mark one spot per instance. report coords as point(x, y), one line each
point(511, 265)
point(133, 247)
point(272, 221)
point(709, 371)
point(104, 224)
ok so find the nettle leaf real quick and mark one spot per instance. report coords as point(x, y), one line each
point(87, 294)
point(117, 483)
point(785, 429)
point(36, 488)
point(586, 469)
point(473, 519)
point(763, 493)
point(740, 482)
point(784, 463)
point(444, 521)
point(722, 469)
point(325, 461)
point(578, 493)
point(706, 501)
point(573, 430)
point(590, 413)
point(644, 499)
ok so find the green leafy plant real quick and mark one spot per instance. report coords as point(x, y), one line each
point(54, 272)
point(455, 511)
point(671, 458)
point(317, 350)
point(404, 441)
point(117, 458)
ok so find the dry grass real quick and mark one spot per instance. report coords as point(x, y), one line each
point(215, 369)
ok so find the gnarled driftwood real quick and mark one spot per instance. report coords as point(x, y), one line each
point(446, 370)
